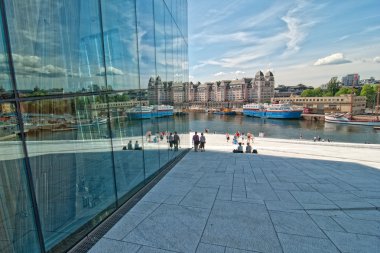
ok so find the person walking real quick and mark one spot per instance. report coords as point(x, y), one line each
point(196, 141)
point(176, 141)
point(202, 143)
point(227, 137)
point(171, 141)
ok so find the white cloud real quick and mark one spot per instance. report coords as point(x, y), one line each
point(343, 38)
point(31, 65)
point(111, 71)
point(220, 74)
point(299, 19)
point(377, 59)
point(333, 59)
point(238, 72)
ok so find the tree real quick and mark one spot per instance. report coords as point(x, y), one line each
point(333, 85)
point(328, 94)
point(343, 91)
point(318, 92)
point(370, 93)
point(308, 93)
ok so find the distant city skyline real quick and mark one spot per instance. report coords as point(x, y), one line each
point(299, 41)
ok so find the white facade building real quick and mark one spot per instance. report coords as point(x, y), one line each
point(259, 89)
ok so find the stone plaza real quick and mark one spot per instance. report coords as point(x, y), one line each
point(293, 196)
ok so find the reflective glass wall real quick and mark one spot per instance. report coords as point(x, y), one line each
point(80, 123)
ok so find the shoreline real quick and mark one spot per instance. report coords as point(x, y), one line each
point(349, 152)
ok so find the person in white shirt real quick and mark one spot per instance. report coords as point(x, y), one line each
point(202, 143)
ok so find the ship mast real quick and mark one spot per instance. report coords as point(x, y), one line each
point(377, 102)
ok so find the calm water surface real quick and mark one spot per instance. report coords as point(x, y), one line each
point(272, 128)
point(284, 129)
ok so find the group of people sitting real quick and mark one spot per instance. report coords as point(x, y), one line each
point(248, 149)
point(130, 146)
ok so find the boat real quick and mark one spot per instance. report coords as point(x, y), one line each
point(273, 111)
point(376, 127)
point(225, 111)
point(254, 110)
point(282, 111)
point(346, 118)
point(99, 121)
point(162, 110)
point(140, 112)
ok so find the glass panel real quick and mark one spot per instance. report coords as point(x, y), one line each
point(149, 81)
point(6, 89)
point(17, 227)
point(56, 46)
point(119, 26)
point(126, 132)
point(70, 155)
point(164, 87)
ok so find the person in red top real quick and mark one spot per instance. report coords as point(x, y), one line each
point(196, 141)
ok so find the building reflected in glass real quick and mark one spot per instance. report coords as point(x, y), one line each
point(73, 85)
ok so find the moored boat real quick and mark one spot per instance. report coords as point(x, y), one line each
point(282, 111)
point(162, 110)
point(254, 110)
point(140, 112)
point(273, 111)
point(346, 118)
point(225, 111)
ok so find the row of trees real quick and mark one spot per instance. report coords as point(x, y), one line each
point(334, 88)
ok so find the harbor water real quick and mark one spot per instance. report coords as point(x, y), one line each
point(284, 129)
point(196, 121)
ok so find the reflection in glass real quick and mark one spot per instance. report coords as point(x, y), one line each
point(56, 47)
point(119, 26)
point(147, 63)
point(6, 90)
point(17, 226)
point(164, 86)
point(70, 156)
point(83, 70)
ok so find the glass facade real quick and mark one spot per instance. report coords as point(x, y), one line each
point(74, 74)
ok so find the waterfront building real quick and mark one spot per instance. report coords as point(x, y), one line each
point(287, 91)
point(370, 80)
point(160, 92)
point(351, 80)
point(343, 103)
point(69, 70)
point(259, 89)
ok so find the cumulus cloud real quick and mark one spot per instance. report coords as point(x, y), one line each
point(333, 59)
point(377, 59)
point(238, 72)
point(111, 71)
point(31, 65)
point(219, 74)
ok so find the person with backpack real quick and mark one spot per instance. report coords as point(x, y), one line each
point(202, 143)
point(196, 141)
point(176, 141)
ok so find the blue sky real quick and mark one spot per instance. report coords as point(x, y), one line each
point(300, 41)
